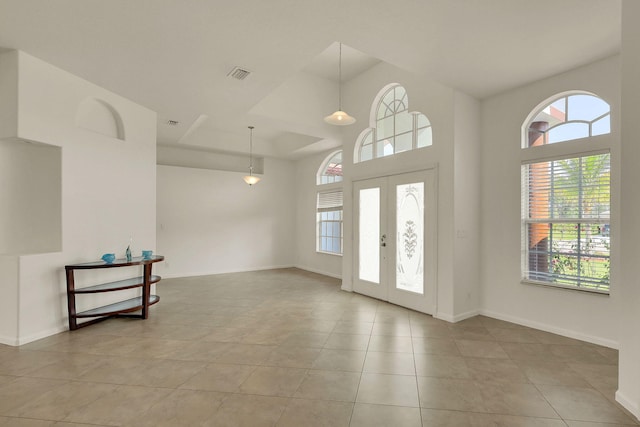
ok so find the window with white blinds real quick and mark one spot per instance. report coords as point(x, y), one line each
point(565, 222)
point(329, 222)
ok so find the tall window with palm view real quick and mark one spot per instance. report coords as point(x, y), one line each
point(566, 200)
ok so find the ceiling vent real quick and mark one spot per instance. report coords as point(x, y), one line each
point(239, 73)
point(173, 122)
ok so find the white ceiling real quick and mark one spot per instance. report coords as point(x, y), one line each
point(173, 56)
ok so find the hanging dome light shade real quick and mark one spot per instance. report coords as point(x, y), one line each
point(340, 118)
point(251, 179)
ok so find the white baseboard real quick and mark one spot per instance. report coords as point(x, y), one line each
point(550, 328)
point(210, 273)
point(443, 316)
point(315, 270)
point(457, 318)
point(12, 341)
point(628, 404)
point(18, 341)
point(42, 334)
point(467, 315)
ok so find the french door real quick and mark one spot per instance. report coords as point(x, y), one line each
point(395, 239)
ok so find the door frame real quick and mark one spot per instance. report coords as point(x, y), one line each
point(430, 243)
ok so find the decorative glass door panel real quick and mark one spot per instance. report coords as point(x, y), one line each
point(369, 254)
point(399, 269)
point(410, 237)
point(370, 219)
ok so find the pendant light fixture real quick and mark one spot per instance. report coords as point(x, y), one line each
point(251, 178)
point(340, 118)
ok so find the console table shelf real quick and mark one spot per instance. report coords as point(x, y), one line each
point(121, 308)
point(136, 282)
point(127, 306)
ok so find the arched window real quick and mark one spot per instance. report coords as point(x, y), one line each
point(574, 116)
point(331, 169)
point(329, 205)
point(394, 128)
point(566, 195)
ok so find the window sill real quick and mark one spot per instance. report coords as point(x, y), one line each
point(329, 253)
point(563, 287)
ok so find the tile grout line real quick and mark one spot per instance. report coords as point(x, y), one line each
point(415, 369)
point(366, 351)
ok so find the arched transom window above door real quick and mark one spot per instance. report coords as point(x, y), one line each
point(393, 127)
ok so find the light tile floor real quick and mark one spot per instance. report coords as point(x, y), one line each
point(288, 348)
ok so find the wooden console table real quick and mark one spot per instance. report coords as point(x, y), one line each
point(122, 308)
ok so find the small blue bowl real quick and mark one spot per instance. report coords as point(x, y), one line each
point(109, 258)
point(147, 254)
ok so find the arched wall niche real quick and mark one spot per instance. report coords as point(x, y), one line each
point(101, 117)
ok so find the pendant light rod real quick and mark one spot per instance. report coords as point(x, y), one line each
point(340, 77)
point(251, 179)
point(251, 148)
point(339, 118)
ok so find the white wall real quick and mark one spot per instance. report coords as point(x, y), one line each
point(9, 91)
point(30, 177)
point(186, 157)
point(466, 208)
point(629, 375)
point(582, 315)
point(9, 298)
point(107, 191)
point(440, 104)
point(212, 222)
point(306, 202)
